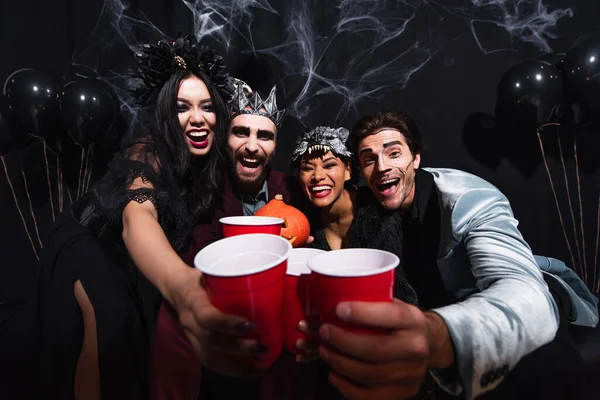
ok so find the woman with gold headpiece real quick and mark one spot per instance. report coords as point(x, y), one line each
point(107, 261)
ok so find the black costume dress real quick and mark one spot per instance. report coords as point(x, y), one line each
point(86, 244)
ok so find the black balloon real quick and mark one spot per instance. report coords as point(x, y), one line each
point(29, 97)
point(6, 139)
point(11, 138)
point(482, 141)
point(529, 94)
point(552, 58)
point(81, 71)
point(556, 59)
point(87, 110)
point(582, 73)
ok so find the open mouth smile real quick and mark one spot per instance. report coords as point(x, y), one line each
point(388, 187)
point(321, 191)
point(250, 164)
point(198, 138)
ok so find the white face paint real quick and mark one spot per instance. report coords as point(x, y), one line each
point(388, 167)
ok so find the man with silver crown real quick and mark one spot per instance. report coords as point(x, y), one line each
point(190, 349)
point(252, 142)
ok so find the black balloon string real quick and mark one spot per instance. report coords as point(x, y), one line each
point(85, 171)
point(596, 280)
point(88, 173)
point(560, 217)
point(585, 271)
point(575, 236)
point(59, 184)
point(80, 174)
point(48, 178)
point(581, 266)
point(12, 189)
point(69, 194)
point(80, 179)
point(35, 225)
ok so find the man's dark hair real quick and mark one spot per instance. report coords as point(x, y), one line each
point(399, 120)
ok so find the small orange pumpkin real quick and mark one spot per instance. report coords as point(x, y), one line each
point(295, 226)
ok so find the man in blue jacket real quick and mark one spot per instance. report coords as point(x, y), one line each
point(490, 311)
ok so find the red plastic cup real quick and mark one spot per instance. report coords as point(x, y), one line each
point(300, 302)
point(352, 275)
point(243, 225)
point(245, 276)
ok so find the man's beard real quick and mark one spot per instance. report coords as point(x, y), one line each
point(246, 182)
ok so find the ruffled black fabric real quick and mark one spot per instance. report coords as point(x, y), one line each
point(374, 228)
point(102, 208)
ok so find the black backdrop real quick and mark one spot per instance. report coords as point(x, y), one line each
point(440, 60)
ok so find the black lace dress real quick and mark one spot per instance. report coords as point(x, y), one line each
point(86, 244)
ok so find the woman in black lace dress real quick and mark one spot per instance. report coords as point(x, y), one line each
point(345, 216)
point(107, 261)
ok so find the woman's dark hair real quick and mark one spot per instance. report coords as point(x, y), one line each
point(399, 120)
point(199, 179)
point(352, 183)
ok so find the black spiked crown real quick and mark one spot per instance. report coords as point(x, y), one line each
point(247, 101)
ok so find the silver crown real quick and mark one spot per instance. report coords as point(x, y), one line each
point(245, 87)
point(249, 102)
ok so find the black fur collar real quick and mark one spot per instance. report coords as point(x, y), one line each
point(374, 228)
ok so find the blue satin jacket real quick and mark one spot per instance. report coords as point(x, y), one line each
point(505, 310)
